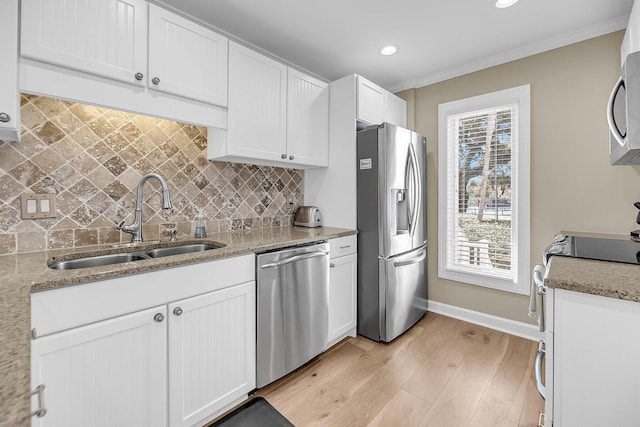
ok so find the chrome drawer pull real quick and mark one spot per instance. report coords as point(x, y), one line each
point(41, 411)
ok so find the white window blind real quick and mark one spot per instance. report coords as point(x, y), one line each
point(484, 190)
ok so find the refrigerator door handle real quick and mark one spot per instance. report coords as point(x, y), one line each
point(415, 196)
point(413, 260)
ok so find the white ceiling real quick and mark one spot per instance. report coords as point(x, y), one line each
point(436, 40)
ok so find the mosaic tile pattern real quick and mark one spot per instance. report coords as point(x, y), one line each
point(93, 158)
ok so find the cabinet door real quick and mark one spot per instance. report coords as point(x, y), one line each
point(257, 105)
point(110, 373)
point(395, 110)
point(370, 101)
point(9, 96)
point(596, 343)
point(107, 38)
point(186, 59)
point(342, 297)
point(307, 120)
point(211, 353)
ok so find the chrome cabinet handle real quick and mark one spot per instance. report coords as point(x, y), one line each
point(177, 311)
point(139, 76)
point(155, 80)
point(290, 157)
point(332, 265)
point(538, 368)
point(284, 156)
point(4, 117)
point(158, 317)
point(41, 411)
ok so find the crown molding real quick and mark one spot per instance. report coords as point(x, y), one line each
point(576, 36)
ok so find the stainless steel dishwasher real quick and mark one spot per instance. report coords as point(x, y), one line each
point(292, 310)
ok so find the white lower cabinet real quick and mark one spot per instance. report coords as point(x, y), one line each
point(211, 352)
point(342, 288)
point(595, 370)
point(110, 373)
point(182, 354)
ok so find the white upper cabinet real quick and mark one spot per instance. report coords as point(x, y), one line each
point(376, 105)
point(277, 116)
point(186, 59)
point(307, 120)
point(9, 95)
point(257, 105)
point(395, 110)
point(370, 101)
point(124, 54)
point(107, 38)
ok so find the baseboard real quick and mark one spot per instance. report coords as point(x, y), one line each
point(520, 329)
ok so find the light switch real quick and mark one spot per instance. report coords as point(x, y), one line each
point(32, 207)
point(35, 206)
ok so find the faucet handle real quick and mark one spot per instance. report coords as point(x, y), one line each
point(120, 225)
point(174, 235)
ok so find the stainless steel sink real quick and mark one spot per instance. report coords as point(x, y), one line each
point(177, 250)
point(98, 260)
point(137, 255)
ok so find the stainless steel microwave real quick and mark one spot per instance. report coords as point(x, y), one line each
point(623, 114)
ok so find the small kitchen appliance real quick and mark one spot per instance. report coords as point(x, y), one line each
point(308, 216)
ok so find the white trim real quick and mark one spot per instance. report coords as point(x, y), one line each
point(572, 37)
point(513, 327)
point(521, 185)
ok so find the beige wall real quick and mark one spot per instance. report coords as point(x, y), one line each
point(573, 187)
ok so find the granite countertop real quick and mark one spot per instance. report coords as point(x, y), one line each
point(603, 278)
point(25, 273)
point(608, 279)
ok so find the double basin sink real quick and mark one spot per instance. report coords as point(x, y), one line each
point(134, 255)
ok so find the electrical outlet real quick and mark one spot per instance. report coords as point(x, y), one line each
point(36, 206)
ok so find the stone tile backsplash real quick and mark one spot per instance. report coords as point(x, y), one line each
point(93, 158)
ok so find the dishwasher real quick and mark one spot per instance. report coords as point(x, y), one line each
point(292, 309)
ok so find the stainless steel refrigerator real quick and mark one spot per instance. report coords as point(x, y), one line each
point(392, 231)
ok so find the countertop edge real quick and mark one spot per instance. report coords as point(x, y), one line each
point(602, 278)
point(20, 280)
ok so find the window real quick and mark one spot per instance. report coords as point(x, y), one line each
point(483, 190)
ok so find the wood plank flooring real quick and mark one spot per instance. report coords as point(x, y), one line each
point(442, 372)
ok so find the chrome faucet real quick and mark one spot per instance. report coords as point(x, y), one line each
point(135, 229)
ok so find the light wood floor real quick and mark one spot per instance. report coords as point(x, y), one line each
point(442, 372)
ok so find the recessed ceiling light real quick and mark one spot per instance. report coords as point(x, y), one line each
point(501, 4)
point(388, 50)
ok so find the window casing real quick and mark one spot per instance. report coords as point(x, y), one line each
point(483, 190)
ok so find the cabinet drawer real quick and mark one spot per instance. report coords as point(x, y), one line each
point(343, 246)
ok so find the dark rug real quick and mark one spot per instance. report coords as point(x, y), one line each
point(256, 412)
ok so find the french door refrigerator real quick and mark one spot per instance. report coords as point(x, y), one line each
point(392, 230)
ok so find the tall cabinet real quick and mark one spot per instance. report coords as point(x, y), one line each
point(355, 103)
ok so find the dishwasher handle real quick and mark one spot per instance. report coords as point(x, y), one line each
point(294, 259)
